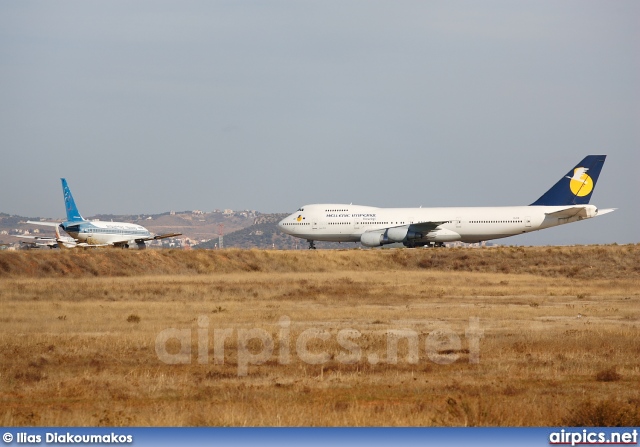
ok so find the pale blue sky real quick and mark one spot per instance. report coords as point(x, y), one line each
point(149, 106)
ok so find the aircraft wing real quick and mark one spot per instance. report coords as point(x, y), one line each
point(158, 236)
point(166, 235)
point(425, 227)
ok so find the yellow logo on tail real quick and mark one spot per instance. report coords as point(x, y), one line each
point(581, 184)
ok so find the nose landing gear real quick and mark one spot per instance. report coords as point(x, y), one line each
point(312, 245)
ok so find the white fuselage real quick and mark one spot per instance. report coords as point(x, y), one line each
point(105, 233)
point(347, 223)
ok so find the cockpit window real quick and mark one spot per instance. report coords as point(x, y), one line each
point(301, 209)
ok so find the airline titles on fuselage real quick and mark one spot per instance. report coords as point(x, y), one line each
point(359, 216)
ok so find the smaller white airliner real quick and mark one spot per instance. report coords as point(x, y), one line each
point(85, 233)
point(567, 201)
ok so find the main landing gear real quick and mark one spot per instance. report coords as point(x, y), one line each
point(312, 245)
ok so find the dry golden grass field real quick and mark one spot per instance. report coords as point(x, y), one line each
point(485, 337)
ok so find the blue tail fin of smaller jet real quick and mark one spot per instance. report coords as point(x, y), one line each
point(73, 215)
point(576, 187)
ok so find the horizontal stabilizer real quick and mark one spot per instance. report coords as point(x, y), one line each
point(46, 224)
point(583, 212)
point(606, 211)
point(38, 238)
point(567, 212)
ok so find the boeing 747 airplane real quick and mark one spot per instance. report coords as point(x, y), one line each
point(85, 233)
point(567, 201)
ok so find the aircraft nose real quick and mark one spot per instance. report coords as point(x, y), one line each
point(282, 227)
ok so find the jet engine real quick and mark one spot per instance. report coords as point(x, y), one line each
point(372, 238)
point(389, 236)
point(401, 234)
point(443, 235)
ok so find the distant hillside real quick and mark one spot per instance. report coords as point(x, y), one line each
point(242, 229)
point(264, 233)
point(197, 226)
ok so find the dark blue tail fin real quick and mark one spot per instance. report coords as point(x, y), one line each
point(576, 187)
point(73, 215)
